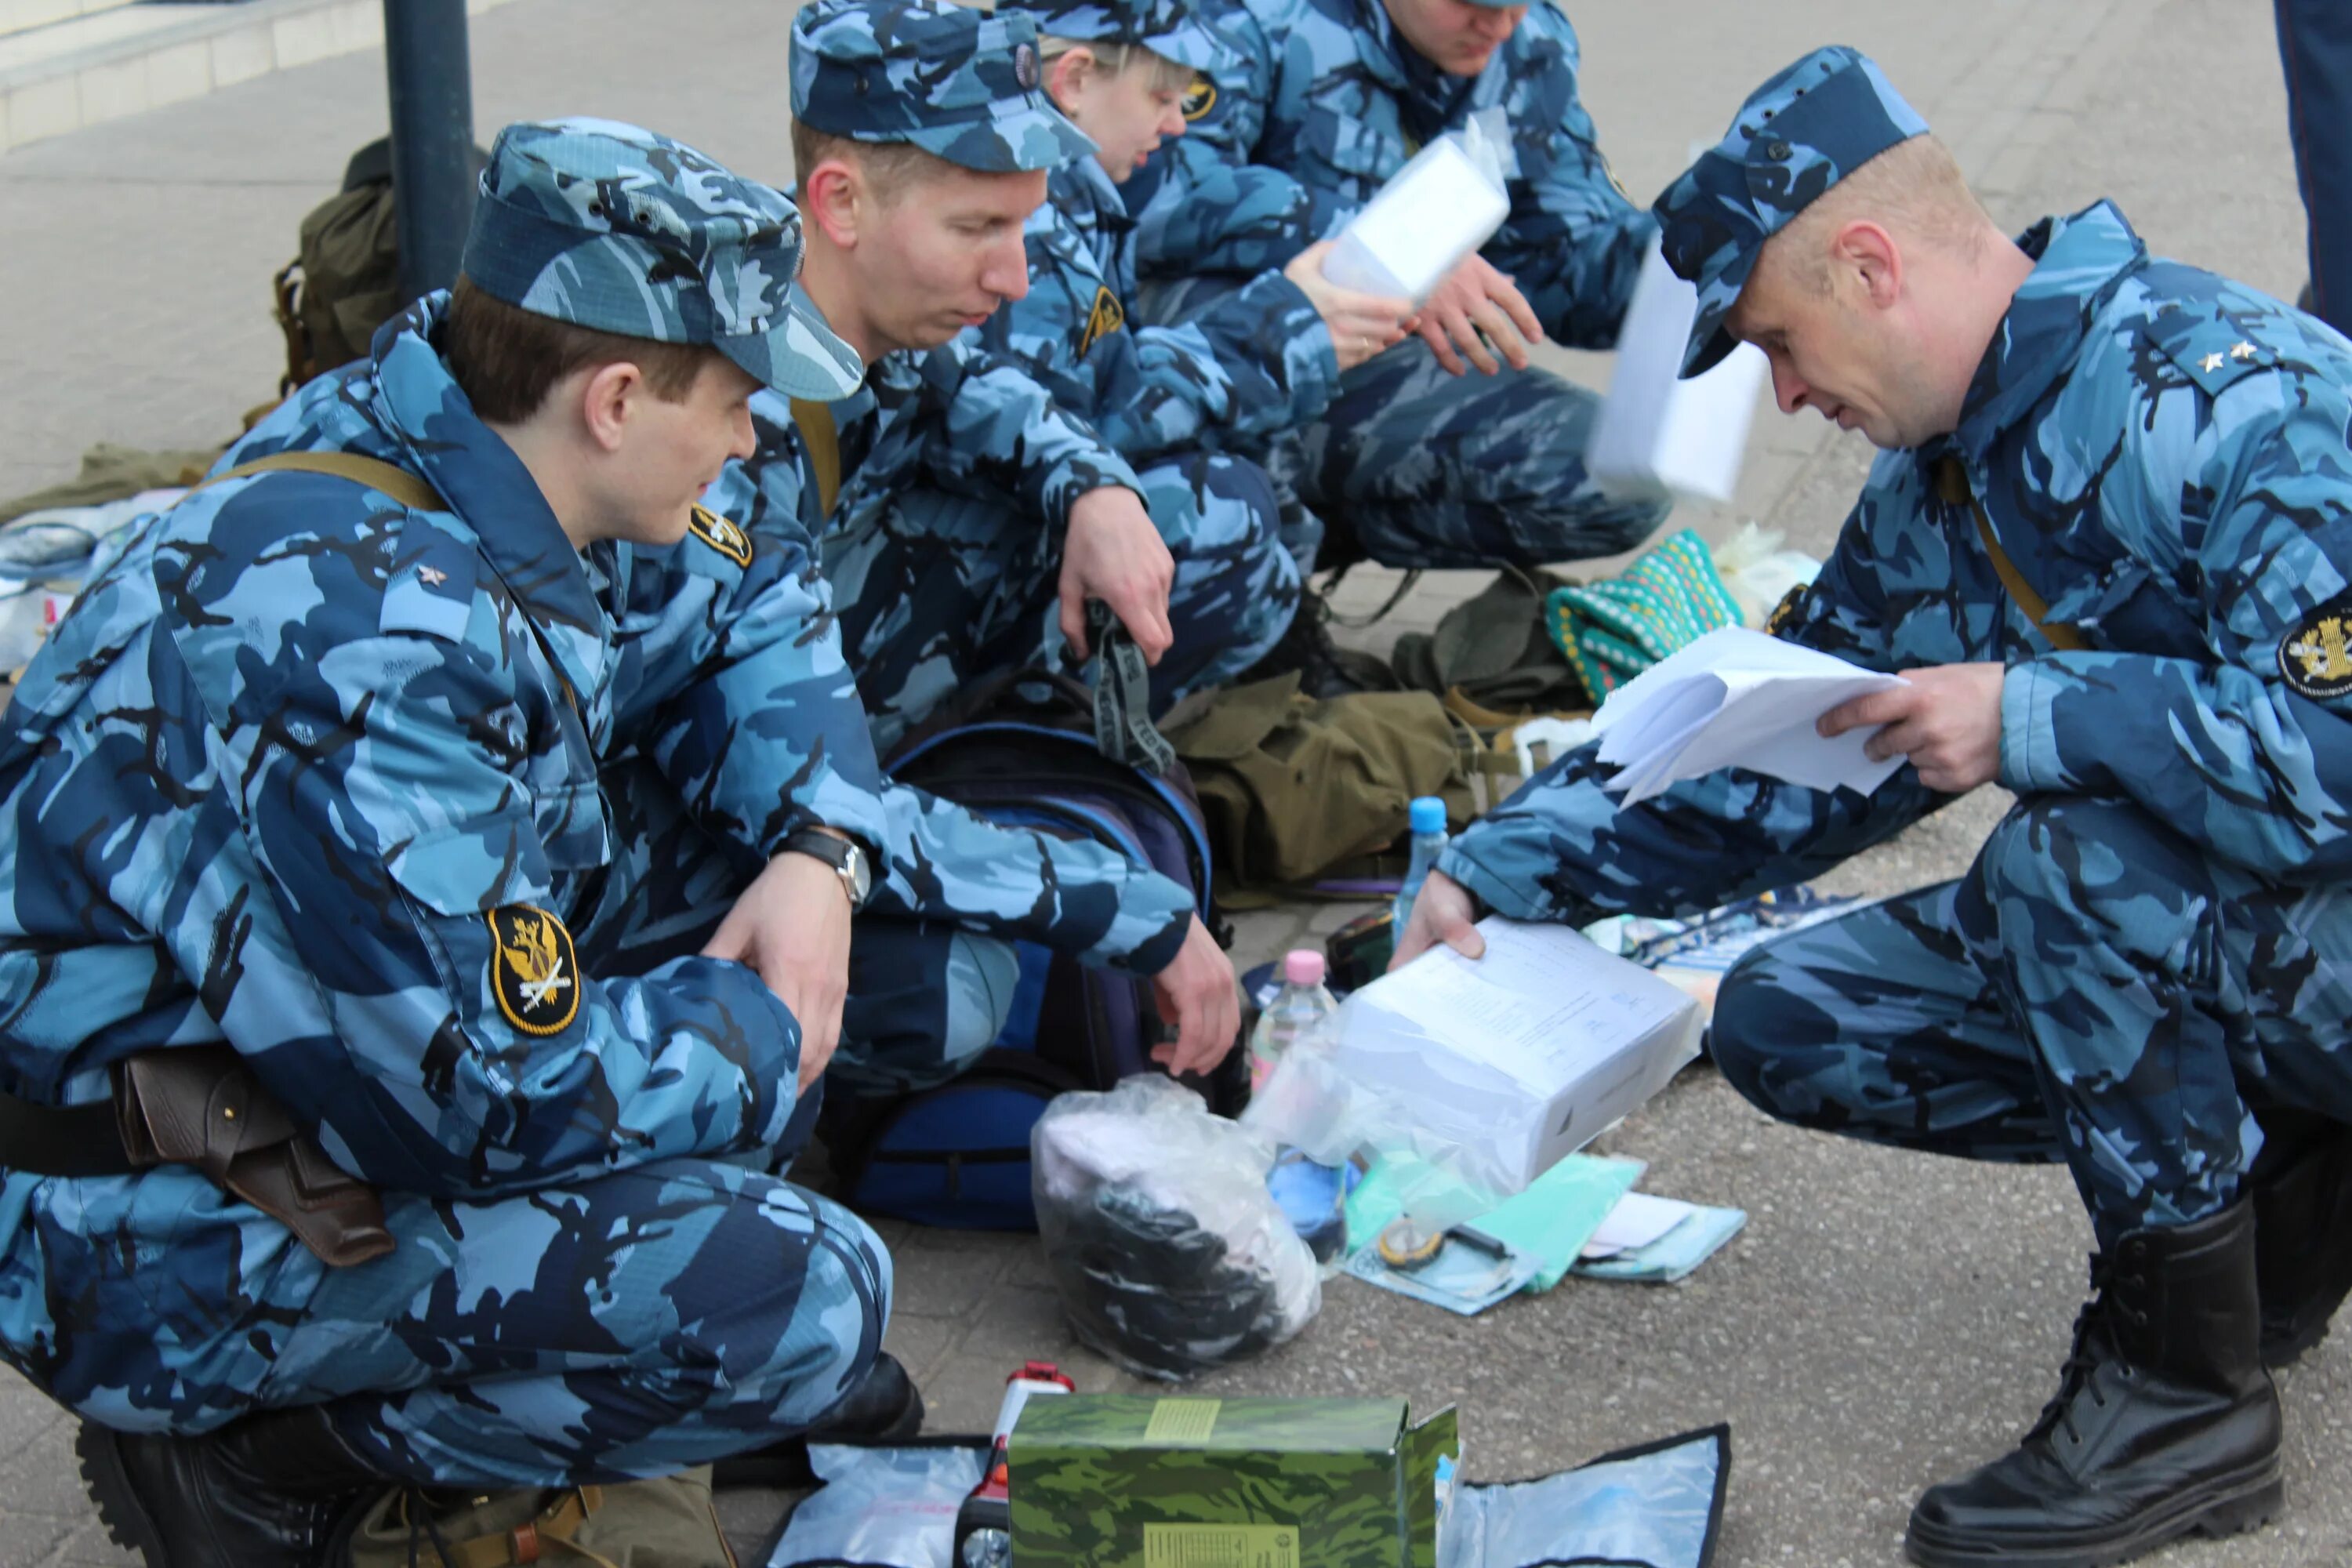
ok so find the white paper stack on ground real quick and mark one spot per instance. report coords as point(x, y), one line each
point(1501, 1066)
point(1436, 210)
point(1655, 432)
point(1739, 699)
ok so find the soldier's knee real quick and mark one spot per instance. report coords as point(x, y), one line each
point(982, 973)
point(837, 1321)
point(2062, 862)
point(1742, 1036)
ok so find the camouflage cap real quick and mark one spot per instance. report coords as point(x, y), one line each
point(1169, 28)
point(611, 227)
point(961, 83)
point(1800, 134)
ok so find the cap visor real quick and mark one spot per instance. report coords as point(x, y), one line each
point(1035, 136)
point(1189, 44)
point(1709, 345)
point(799, 357)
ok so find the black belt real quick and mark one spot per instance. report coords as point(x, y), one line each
point(62, 1139)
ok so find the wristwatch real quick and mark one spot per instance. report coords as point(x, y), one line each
point(847, 860)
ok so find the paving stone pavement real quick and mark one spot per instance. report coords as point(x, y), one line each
point(1885, 1321)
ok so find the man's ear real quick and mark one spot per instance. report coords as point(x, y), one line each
point(608, 396)
point(1867, 253)
point(833, 198)
point(1067, 78)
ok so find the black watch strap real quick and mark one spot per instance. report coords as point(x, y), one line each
point(834, 851)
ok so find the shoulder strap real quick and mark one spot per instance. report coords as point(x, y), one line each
point(1952, 481)
point(823, 439)
point(377, 475)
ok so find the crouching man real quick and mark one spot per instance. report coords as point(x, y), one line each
point(377, 1110)
point(2108, 545)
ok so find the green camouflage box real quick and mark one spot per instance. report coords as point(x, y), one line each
point(1131, 1481)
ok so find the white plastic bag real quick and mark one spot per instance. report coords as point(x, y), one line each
point(1170, 1255)
point(1759, 572)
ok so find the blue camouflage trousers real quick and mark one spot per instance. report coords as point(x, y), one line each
point(1435, 471)
point(628, 1325)
point(2096, 990)
point(937, 590)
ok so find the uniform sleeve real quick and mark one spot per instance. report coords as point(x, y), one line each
point(474, 1056)
point(1259, 361)
point(1573, 242)
point(1081, 899)
point(1561, 848)
point(731, 679)
point(2246, 751)
point(994, 429)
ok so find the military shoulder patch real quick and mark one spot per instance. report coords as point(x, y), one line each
point(722, 536)
point(1106, 316)
point(2315, 658)
point(1201, 98)
point(1786, 610)
point(533, 971)
point(2210, 347)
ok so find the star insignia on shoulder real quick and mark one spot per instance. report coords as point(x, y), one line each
point(432, 577)
point(2241, 350)
point(2213, 363)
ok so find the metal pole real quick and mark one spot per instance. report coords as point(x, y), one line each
point(432, 90)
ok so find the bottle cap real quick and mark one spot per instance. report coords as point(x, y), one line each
point(1303, 966)
point(1427, 815)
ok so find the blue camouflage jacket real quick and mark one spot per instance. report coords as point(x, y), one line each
point(1259, 361)
point(2160, 452)
point(1322, 103)
point(296, 745)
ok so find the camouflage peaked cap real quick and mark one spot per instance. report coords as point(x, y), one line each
point(1800, 134)
point(1169, 28)
point(611, 227)
point(955, 81)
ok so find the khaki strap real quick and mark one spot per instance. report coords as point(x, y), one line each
point(526, 1543)
point(398, 483)
point(1952, 479)
point(823, 439)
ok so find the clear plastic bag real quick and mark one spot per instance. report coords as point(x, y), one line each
point(1443, 205)
point(886, 1508)
point(1170, 1255)
point(1759, 572)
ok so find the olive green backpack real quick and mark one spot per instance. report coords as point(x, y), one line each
point(666, 1523)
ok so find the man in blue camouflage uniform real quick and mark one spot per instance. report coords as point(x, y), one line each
point(1321, 104)
point(964, 520)
point(498, 827)
point(1261, 362)
point(2107, 544)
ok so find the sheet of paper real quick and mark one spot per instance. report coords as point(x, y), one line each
point(1541, 1003)
point(1655, 431)
point(1738, 698)
point(1639, 1219)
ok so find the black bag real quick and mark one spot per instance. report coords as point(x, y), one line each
point(1021, 750)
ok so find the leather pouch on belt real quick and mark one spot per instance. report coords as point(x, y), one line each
point(203, 1106)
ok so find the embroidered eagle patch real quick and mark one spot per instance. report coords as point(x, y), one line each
point(1201, 98)
point(722, 536)
point(1785, 611)
point(1106, 316)
point(533, 971)
point(2314, 657)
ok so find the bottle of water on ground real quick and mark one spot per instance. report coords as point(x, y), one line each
point(1426, 816)
point(1300, 1018)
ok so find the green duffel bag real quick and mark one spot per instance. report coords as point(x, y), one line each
point(666, 1523)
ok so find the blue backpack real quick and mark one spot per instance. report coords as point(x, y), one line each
point(1022, 750)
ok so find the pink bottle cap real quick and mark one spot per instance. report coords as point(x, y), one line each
point(1303, 966)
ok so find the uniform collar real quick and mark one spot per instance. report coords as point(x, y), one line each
point(2079, 262)
point(489, 489)
point(1086, 181)
point(1429, 97)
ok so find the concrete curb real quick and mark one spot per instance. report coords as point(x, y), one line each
point(214, 46)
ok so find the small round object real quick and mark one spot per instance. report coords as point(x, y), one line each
point(1404, 1245)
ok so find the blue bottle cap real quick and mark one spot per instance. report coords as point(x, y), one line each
point(1427, 815)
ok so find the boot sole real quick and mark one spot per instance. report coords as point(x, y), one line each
point(2245, 1502)
point(119, 1508)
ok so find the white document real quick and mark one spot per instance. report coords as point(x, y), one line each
point(1739, 699)
point(1657, 432)
point(1639, 1219)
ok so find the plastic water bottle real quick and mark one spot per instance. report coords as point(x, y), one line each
point(1426, 816)
point(1301, 1011)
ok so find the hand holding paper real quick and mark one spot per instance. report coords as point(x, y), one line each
point(1739, 698)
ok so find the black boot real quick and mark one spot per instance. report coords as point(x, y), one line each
point(2303, 1238)
point(2163, 1423)
point(264, 1492)
point(885, 1408)
point(1325, 668)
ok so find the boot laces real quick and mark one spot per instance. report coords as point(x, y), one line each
point(2093, 1347)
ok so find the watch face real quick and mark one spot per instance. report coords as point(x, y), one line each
point(861, 880)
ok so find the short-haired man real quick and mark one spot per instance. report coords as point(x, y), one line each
point(1319, 104)
point(2108, 544)
point(973, 519)
point(936, 491)
point(385, 1100)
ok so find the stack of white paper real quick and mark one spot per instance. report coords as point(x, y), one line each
point(1657, 432)
point(1739, 699)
